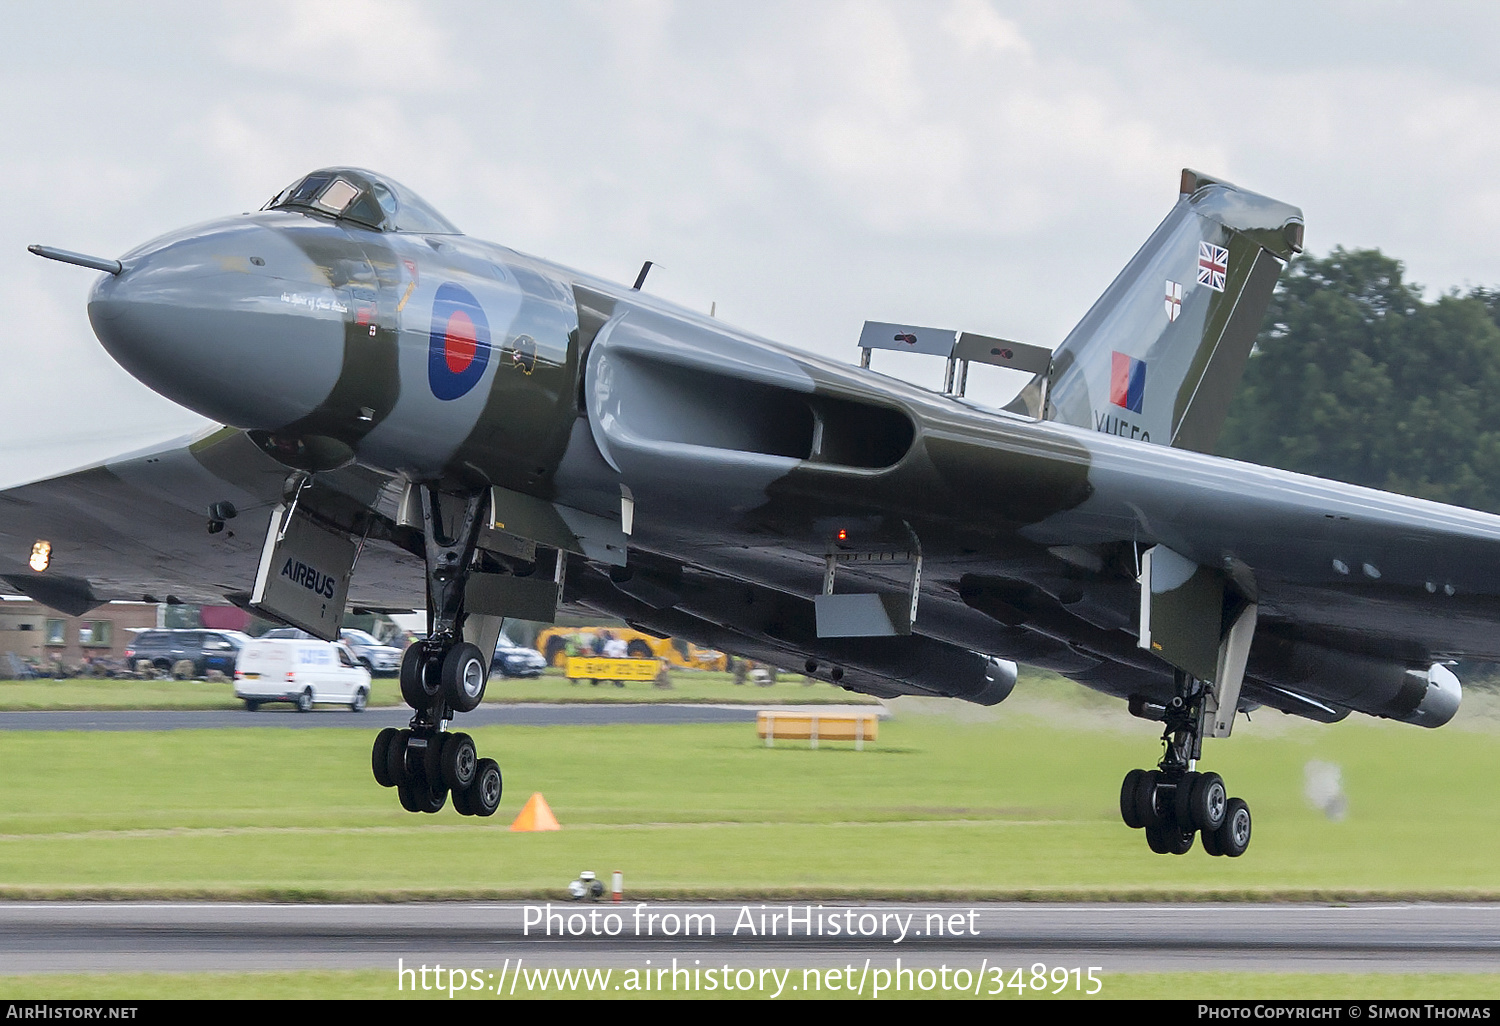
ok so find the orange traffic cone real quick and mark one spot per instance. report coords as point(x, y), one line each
point(536, 816)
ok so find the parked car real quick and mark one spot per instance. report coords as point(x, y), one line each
point(207, 650)
point(380, 660)
point(512, 660)
point(305, 672)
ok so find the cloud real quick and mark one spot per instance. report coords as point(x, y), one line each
point(804, 165)
point(978, 27)
point(352, 45)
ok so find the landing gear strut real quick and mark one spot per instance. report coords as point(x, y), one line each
point(1174, 803)
point(440, 677)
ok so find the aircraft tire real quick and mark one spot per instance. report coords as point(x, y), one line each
point(380, 756)
point(464, 676)
point(1207, 803)
point(410, 801)
point(1182, 806)
point(396, 758)
point(1149, 805)
point(1234, 835)
point(1211, 842)
point(459, 762)
point(417, 686)
point(1129, 791)
point(484, 795)
point(432, 761)
point(417, 795)
point(461, 802)
point(1181, 838)
point(1159, 839)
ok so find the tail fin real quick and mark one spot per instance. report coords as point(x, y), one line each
point(1159, 355)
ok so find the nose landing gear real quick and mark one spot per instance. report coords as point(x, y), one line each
point(1174, 803)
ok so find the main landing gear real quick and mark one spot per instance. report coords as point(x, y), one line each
point(440, 677)
point(424, 762)
point(1174, 802)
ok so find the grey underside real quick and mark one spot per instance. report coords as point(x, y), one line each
point(138, 528)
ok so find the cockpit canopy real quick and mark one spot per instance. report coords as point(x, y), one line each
point(364, 198)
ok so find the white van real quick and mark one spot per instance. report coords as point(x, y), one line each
point(301, 672)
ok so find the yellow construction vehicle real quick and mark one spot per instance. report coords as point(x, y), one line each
point(554, 643)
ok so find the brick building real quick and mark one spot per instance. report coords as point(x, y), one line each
point(39, 634)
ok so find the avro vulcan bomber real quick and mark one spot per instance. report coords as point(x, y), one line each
point(413, 418)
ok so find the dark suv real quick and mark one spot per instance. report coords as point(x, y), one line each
point(208, 650)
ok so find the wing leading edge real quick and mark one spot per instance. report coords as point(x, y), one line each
point(137, 527)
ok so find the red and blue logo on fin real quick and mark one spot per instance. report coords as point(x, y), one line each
point(1127, 382)
point(459, 349)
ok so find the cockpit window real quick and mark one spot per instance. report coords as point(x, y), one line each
point(370, 200)
point(301, 194)
point(336, 197)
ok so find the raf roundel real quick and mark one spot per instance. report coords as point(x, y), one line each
point(459, 349)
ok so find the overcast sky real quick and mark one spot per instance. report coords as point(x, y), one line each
point(804, 165)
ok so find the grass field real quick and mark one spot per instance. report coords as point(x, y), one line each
point(952, 802)
point(687, 686)
point(1016, 801)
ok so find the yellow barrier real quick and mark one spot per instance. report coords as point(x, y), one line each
point(591, 668)
point(816, 726)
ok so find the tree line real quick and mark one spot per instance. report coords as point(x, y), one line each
point(1355, 377)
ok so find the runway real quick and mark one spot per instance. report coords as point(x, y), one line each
point(70, 937)
point(530, 715)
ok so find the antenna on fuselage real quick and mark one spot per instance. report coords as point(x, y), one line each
point(67, 256)
point(640, 279)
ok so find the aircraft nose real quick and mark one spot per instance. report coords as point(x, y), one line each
point(231, 321)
